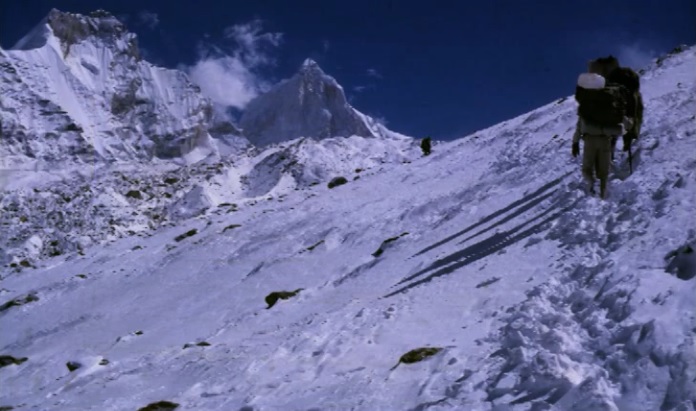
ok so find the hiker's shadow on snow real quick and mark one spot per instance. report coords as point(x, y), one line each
point(517, 207)
point(494, 242)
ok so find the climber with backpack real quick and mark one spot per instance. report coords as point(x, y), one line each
point(630, 82)
point(605, 113)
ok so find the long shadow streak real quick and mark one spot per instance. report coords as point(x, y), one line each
point(498, 213)
point(476, 248)
point(481, 250)
point(517, 213)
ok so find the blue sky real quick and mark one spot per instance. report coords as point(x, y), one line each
point(439, 68)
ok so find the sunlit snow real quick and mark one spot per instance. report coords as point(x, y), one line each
point(541, 297)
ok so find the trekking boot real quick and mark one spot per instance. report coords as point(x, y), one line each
point(603, 189)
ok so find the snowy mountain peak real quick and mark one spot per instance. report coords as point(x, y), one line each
point(310, 64)
point(71, 28)
point(310, 104)
point(79, 79)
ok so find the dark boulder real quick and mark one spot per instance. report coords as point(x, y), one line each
point(417, 355)
point(160, 406)
point(6, 360)
point(272, 298)
point(337, 181)
point(136, 194)
point(387, 243)
point(19, 301)
point(73, 365)
point(189, 233)
point(682, 262)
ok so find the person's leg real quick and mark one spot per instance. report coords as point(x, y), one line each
point(604, 149)
point(589, 156)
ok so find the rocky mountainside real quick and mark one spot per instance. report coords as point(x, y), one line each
point(310, 104)
point(56, 215)
point(76, 89)
point(97, 143)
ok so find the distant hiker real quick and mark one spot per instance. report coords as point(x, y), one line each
point(426, 146)
point(602, 117)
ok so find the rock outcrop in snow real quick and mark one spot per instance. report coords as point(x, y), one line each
point(310, 104)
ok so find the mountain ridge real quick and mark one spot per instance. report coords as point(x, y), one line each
point(94, 115)
point(80, 79)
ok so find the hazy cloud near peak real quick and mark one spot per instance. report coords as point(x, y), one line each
point(229, 76)
point(253, 43)
point(149, 19)
point(636, 55)
point(380, 120)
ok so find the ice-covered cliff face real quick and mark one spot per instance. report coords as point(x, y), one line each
point(76, 89)
point(310, 104)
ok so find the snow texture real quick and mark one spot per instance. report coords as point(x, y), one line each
point(540, 296)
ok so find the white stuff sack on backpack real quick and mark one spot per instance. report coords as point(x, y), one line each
point(591, 81)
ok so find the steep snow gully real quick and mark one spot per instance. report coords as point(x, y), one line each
point(540, 297)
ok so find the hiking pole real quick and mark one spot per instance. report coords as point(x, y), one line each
point(630, 160)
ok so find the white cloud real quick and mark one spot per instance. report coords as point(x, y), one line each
point(373, 73)
point(635, 56)
point(252, 42)
point(225, 80)
point(381, 120)
point(360, 89)
point(149, 19)
point(231, 78)
point(326, 45)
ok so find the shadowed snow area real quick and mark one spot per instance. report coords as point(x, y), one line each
point(541, 297)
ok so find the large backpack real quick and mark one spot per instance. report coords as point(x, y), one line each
point(602, 107)
point(603, 66)
point(630, 80)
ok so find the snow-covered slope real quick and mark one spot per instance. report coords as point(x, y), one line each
point(310, 104)
point(76, 89)
point(541, 297)
point(49, 214)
